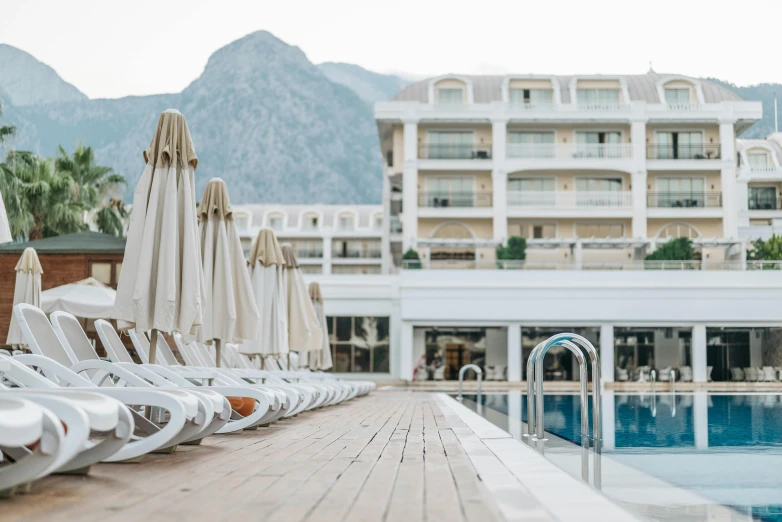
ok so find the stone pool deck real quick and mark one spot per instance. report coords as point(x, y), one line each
point(394, 456)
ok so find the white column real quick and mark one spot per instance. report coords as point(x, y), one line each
point(578, 255)
point(514, 352)
point(728, 180)
point(410, 186)
point(406, 351)
point(499, 183)
point(698, 353)
point(395, 333)
point(607, 352)
point(742, 202)
point(327, 239)
point(700, 419)
point(638, 178)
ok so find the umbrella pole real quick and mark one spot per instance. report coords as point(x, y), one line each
point(153, 345)
point(218, 351)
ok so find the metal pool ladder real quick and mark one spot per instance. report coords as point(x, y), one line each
point(535, 417)
point(462, 371)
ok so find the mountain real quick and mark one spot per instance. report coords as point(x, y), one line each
point(29, 82)
point(370, 86)
point(762, 92)
point(262, 117)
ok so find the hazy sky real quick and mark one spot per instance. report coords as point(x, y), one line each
point(113, 48)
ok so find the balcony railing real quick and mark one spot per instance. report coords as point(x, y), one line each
point(454, 151)
point(566, 151)
point(684, 199)
point(603, 107)
point(764, 203)
point(459, 264)
point(369, 253)
point(309, 253)
point(454, 199)
point(395, 225)
point(701, 151)
point(572, 199)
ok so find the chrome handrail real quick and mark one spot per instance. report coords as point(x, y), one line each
point(477, 370)
point(531, 389)
point(572, 343)
point(652, 379)
point(673, 378)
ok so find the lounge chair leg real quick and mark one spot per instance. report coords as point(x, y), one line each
point(169, 449)
point(7, 493)
point(196, 442)
point(81, 471)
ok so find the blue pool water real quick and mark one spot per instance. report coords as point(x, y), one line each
point(726, 448)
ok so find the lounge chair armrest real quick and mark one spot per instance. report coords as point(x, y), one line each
point(110, 369)
point(164, 374)
point(53, 370)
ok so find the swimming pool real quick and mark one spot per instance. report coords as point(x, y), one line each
point(724, 450)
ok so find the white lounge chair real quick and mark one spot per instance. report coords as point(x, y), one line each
point(769, 375)
point(736, 374)
point(622, 375)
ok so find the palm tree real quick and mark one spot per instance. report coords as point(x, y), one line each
point(39, 199)
point(97, 188)
point(6, 131)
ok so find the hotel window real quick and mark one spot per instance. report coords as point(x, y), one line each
point(677, 96)
point(533, 230)
point(359, 344)
point(310, 222)
point(762, 198)
point(377, 224)
point(599, 184)
point(450, 145)
point(531, 191)
point(757, 160)
point(531, 144)
point(450, 96)
point(681, 145)
point(275, 222)
point(449, 192)
point(680, 192)
point(106, 272)
point(600, 230)
point(597, 96)
point(311, 269)
point(598, 144)
point(531, 97)
point(346, 222)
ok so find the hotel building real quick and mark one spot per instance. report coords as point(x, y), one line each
point(595, 172)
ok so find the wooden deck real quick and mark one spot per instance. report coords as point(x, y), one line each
point(392, 456)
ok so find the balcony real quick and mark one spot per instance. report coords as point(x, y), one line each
point(366, 253)
point(309, 253)
point(564, 151)
point(395, 225)
point(701, 151)
point(456, 151)
point(603, 107)
point(764, 203)
point(684, 199)
point(455, 199)
point(640, 265)
point(570, 200)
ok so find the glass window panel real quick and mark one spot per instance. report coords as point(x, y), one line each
point(330, 323)
point(361, 359)
point(344, 327)
point(450, 96)
point(342, 358)
point(516, 96)
point(758, 160)
point(677, 96)
point(541, 96)
point(380, 359)
point(101, 272)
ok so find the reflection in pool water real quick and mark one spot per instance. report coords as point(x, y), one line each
point(727, 448)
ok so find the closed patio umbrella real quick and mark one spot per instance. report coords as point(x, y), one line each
point(320, 359)
point(27, 290)
point(161, 285)
point(230, 313)
point(303, 329)
point(266, 265)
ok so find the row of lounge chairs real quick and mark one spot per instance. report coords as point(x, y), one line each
point(64, 409)
point(760, 374)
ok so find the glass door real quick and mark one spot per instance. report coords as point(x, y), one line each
point(450, 145)
point(532, 191)
point(450, 192)
point(763, 198)
point(680, 192)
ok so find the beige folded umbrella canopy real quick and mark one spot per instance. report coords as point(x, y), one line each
point(266, 263)
point(320, 359)
point(161, 285)
point(27, 290)
point(230, 312)
point(303, 329)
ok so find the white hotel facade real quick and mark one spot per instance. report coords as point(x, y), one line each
point(595, 172)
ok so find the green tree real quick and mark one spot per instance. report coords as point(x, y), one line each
point(769, 250)
point(413, 258)
point(6, 131)
point(39, 199)
point(515, 250)
point(97, 188)
point(679, 249)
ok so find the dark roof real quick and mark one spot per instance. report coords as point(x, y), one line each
point(79, 243)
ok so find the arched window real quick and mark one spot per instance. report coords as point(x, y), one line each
point(452, 230)
point(674, 230)
point(275, 221)
point(242, 221)
point(310, 221)
point(347, 221)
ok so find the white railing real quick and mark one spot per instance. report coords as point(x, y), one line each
point(566, 151)
point(681, 107)
point(532, 106)
point(460, 264)
point(603, 107)
point(570, 199)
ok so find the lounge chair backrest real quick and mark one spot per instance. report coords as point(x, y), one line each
point(72, 335)
point(40, 335)
point(196, 355)
point(184, 350)
point(165, 351)
point(141, 344)
point(111, 342)
point(206, 357)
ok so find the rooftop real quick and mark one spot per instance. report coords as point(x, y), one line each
point(87, 242)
